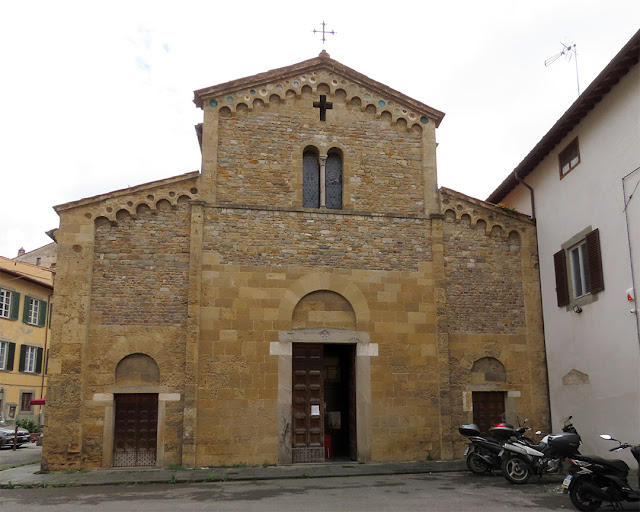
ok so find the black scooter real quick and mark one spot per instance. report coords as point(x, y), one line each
point(482, 454)
point(593, 480)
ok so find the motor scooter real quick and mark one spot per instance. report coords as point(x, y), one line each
point(482, 453)
point(520, 461)
point(593, 480)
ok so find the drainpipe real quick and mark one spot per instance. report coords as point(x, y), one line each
point(633, 280)
point(533, 204)
point(44, 357)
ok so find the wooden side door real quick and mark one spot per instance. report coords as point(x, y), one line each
point(488, 409)
point(308, 402)
point(136, 430)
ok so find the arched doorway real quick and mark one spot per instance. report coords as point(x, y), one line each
point(488, 406)
point(135, 435)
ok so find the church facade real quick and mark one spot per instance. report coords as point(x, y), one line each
point(310, 295)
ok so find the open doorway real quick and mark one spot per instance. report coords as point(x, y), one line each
point(340, 402)
point(324, 402)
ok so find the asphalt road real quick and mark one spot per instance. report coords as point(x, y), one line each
point(444, 492)
point(26, 454)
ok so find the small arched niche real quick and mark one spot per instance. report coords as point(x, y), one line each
point(488, 370)
point(324, 308)
point(137, 370)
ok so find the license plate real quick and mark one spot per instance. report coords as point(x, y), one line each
point(466, 451)
point(567, 481)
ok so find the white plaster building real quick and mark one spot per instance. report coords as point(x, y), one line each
point(581, 183)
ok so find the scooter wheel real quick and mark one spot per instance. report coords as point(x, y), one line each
point(580, 498)
point(516, 470)
point(476, 465)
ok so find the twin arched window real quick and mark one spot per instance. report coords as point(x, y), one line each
point(322, 179)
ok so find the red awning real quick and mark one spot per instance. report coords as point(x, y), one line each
point(38, 401)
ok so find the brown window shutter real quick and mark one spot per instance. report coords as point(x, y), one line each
point(562, 286)
point(595, 261)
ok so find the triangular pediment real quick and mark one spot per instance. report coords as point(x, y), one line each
point(321, 75)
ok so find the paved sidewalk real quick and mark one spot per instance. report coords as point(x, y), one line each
point(27, 475)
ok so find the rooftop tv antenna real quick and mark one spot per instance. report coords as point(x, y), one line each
point(568, 50)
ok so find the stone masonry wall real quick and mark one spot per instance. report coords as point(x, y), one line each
point(242, 315)
point(483, 276)
point(260, 155)
point(493, 309)
point(140, 268)
point(301, 238)
point(128, 297)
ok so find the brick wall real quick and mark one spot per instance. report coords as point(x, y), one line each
point(140, 268)
point(483, 277)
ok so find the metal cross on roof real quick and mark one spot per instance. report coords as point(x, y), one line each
point(324, 32)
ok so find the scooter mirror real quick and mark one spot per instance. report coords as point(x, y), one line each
point(606, 436)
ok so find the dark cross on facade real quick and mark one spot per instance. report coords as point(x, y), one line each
point(323, 105)
point(324, 32)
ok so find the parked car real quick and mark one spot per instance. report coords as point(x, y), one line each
point(7, 435)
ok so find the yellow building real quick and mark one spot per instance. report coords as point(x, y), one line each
point(25, 298)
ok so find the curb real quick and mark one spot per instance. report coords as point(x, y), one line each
point(23, 477)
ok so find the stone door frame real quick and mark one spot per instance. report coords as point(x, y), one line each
point(283, 349)
point(107, 400)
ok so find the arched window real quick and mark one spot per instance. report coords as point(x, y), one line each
point(310, 179)
point(322, 179)
point(334, 180)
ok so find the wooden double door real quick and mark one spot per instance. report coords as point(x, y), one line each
point(323, 402)
point(136, 430)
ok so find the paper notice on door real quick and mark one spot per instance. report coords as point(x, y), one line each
point(315, 410)
point(334, 420)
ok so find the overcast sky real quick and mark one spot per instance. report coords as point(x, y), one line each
point(97, 96)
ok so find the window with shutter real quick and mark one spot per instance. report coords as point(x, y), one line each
point(29, 358)
point(9, 304)
point(35, 311)
point(11, 351)
point(38, 367)
point(23, 355)
point(4, 352)
point(569, 158)
point(594, 261)
point(42, 313)
point(578, 269)
point(562, 286)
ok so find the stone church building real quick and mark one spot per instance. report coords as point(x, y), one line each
point(310, 295)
